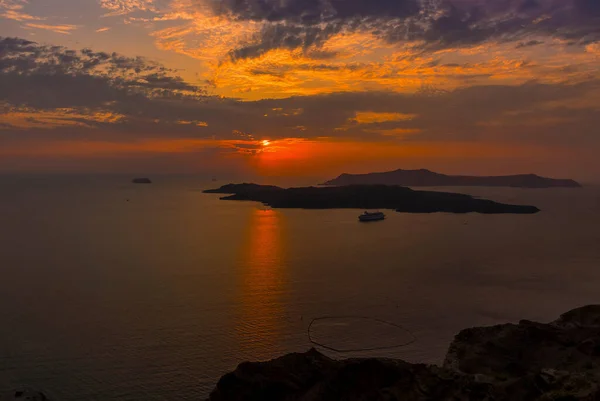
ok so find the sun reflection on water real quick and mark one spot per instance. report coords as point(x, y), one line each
point(262, 283)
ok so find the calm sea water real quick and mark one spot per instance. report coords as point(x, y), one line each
point(114, 291)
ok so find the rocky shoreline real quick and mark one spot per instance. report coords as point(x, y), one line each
point(525, 361)
point(559, 360)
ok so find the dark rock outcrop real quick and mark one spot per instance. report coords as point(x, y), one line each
point(25, 395)
point(525, 361)
point(571, 343)
point(315, 377)
point(426, 178)
point(366, 197)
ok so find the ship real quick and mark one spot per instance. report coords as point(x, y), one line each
point(375, 216)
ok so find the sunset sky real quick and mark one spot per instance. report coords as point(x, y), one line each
point(300, 87)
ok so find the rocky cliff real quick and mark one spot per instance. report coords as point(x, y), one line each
point(525, 361)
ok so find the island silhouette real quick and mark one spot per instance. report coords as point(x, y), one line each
point(142, 180)
point(395, 197)
point(427, 178)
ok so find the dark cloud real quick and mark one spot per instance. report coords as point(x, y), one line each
point(312, 12)
point(151, 102)
point(529, 44)
point(588, 7)
point(145, 95)
point(286, 36)
point(34, 75)
point(440, 23)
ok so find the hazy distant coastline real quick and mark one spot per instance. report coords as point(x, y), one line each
point(427, 178)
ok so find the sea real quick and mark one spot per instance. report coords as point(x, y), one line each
point(116, 291)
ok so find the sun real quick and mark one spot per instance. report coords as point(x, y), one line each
point(266, 142)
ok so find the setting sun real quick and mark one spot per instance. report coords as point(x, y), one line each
point(266, 142)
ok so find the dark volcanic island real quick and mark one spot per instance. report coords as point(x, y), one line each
point(394, 197)
point(426, 178)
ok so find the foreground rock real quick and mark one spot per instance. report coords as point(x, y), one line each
point(24, 395)
point(571, 344)
point(525, 361)
point(366, 197)
point(426, 178)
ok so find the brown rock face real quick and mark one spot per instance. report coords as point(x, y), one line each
point(525, 361)
point(571, 343)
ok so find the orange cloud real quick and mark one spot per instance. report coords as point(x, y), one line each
point(48, 119)
point(193, 122)
point(64, 29)
point(347, 61)
point(593, 48)
point(122, 7)
point(282, 73)
point(370, 117)
point(395, 132)
point(13, 9)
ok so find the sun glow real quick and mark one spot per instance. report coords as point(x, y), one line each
point(266, 142)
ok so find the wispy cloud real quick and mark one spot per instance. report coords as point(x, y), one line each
point(123, 7)
point(63, 29)
point(370, 117)
point(14, 10)
point(104, 29)
point(16, 15)
point(29, 118)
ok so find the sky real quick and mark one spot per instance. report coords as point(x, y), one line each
point(303, 88)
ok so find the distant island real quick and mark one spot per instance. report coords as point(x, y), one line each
point(141, 181)
point(427, 178)
point(394, 197)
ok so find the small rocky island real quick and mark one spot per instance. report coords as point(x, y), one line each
point(143, 180)
point(399, 198)
point(427, 178)
point(509, 362)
